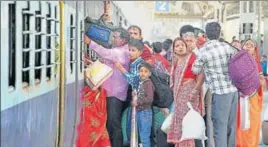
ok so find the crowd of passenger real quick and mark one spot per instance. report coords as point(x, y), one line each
point(197, 65)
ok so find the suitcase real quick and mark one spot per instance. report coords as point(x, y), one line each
point(100, 31)
point(265, 132)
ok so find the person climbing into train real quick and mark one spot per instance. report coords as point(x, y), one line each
point(116, 86)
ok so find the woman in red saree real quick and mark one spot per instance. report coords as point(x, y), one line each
point(91, 129)
point(186, 88)
point(250, 137)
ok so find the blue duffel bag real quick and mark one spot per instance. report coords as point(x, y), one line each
point(100, 31)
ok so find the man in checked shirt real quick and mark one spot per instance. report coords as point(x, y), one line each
point(213, 60)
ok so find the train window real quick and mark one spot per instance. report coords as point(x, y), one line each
point(48, 44)
point(72, 39)
point(38, 46)
point(12, 45)
point(56, 23)
point(81, 45)
point(251, 6)
point(56, 11)
point(244, 28)
point(245, 5)
point(56, 42)
point(120, 21)
point(251, 28)
point(26, 14)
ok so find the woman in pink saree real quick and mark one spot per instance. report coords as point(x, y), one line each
point(186, 87)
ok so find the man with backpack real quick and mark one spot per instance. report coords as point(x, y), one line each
point(213, 60)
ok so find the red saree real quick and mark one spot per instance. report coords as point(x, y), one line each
point(182, 87)
point(91, 129)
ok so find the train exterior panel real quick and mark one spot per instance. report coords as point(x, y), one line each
point(30, 75)
point(30, 70)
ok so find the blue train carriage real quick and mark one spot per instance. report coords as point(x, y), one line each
point(30, 33)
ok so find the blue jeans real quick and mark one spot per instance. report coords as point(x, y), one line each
point(224, 110)
point(144, 121)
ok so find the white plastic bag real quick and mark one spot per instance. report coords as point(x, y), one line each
point(193, 125)
point(265, 116)
point(244, 113)
point(166, 124)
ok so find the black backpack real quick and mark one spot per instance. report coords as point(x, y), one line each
point(163, 95)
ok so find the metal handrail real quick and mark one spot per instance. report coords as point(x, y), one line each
point(61, 103)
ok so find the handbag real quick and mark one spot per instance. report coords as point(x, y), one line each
point(167, 123)
point(96, 73)
point(244, 113)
